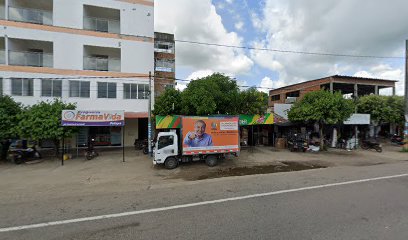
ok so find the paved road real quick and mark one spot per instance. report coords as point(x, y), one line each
point(373, 209)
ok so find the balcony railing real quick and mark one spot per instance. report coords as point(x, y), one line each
point(102, 25)
point(2, 57)
point(102, 64)
point(30, 15)
point(33, 59)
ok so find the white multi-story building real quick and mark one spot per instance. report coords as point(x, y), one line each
point(95, 53)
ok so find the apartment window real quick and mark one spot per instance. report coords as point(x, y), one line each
point(106, 90)
point(143, 91)
point(22, 87)
point(165, 47)
point(130, 91)
point(164, 65)
point(135, 91)
point(275, 97)
point(51, 88)
point(79, 89)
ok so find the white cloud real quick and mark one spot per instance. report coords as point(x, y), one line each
point(334, 26)
point(384, 71)
point(197, 20)
point(268, 84)
point(181, 85)
point(220, 5)
point(199, 74)
point(229, 1)
point(239, 25)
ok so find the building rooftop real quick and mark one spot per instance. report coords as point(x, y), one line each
point(339, 77)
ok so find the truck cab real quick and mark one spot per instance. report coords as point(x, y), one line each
point(167, 148)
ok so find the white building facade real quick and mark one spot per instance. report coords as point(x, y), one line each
point(95, 53)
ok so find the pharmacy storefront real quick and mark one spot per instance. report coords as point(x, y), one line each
point(105, 127)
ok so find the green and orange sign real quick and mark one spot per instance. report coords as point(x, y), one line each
point(245, 120)
point(174, 121)
point(163, 122)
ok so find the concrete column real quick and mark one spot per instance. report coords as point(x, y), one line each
point(355, 90)
point(376, 92)
point(6, 49)
point(6, 9)
point(331, 87)
point(393, 91)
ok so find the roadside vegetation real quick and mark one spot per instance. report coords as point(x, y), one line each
point(322, 107)
point(38, 122)
point(214, 94)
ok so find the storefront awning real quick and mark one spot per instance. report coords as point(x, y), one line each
point(135, 115)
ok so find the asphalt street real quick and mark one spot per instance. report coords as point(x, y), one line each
point(300, 205)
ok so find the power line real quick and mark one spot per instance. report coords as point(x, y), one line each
point(187, 80)
point(290, 51)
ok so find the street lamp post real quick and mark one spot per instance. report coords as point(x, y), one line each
point(406, 97)
point(149, 124)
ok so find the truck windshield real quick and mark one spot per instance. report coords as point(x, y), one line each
point(165, 141)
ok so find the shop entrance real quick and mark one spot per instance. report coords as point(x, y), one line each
point(104, 136)
point(142, 128)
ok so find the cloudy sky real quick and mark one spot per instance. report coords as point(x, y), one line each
point(351, 27)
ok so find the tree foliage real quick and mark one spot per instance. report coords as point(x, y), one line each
point(322, 107)
point(168, 103)
point(43, 121)
point(214, 94)
point(253, 101)
point(9, 110)
point(383, 109)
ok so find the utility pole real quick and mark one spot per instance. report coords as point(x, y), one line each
point(149, 124)
point(406, 96)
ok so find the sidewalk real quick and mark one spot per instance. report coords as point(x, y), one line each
point(108, 173)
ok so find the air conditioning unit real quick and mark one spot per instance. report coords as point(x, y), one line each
point(290, 99)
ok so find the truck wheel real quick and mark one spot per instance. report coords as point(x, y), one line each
point(211, 161)
point(171, 163)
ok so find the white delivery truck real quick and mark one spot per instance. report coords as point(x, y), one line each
point(199, 138)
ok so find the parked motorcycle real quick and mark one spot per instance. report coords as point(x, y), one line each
point(296, 144)
point(367, 144)
point(90, 152)
point(146, 147)
point(140, 144)
point(23, 153)
point(397, 139)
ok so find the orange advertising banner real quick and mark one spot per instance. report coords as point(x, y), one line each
point(210, 135)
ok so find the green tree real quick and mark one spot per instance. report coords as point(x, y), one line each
point(322, 107)
point(43, 121)
point(168, 103)
point(9, 110)
point(215, 94)
point(383, 109)
point(253, 101)
point(396, 109)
